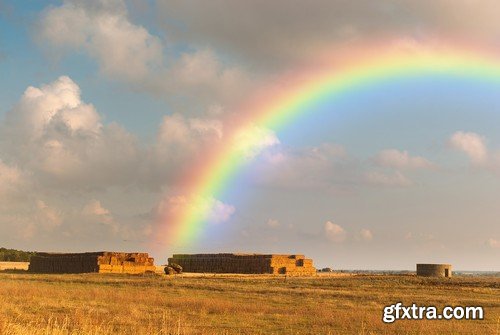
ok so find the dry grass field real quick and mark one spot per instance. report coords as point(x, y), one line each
point(127, 304)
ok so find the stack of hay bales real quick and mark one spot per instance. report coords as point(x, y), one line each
point(245, 263)
point(101, 262)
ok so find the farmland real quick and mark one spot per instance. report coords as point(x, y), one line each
point(231, 304)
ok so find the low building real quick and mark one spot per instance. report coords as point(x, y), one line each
point(434, 270)
point(100, 262)
point(245, 263)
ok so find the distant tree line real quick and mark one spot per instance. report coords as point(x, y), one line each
point(12, 255)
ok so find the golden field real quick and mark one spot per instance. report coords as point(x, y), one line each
point(232, 304)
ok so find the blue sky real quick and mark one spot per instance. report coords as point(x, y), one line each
point(125, 95)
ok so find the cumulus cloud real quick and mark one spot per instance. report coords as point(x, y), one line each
point(61, 140)
point(104, 31)
point(472, 144)
point(287, 32)
point(52, 107)
point(219, 212)
point(209, 208)
point(329, 167)
point(394, 158)
point(129, 52)
point(95, 210)
point(94, 207)
point(334, 232)
point(316, 167)
point(54, 143)
point(252, 140)
point(475, 147)
point(338, 234)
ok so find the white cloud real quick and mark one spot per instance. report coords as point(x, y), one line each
point(129, 52)
point(60, 139)
point(51, 108)
point(94, 209)
point(329, 167)
point(365, 235)
point(103, 29)
point(401, 160)
point(334, 232)
point(396, 179)
point(55, 147)
point(252, 140)
point(493, 243)
point(208, 208)
point(219, 212)
point(472, 144)
point(317, 167)
point(475, 147)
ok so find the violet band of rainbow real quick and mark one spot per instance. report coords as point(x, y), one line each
point(216, 170)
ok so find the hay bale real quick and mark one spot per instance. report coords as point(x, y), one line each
point(176, 267)
point(244, 263)
point(102, 262)
point(170, 270)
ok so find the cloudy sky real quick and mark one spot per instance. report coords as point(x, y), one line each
point(104, 104)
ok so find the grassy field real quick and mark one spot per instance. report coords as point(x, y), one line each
point(119, 304)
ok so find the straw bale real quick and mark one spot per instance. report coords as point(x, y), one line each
point(244, 263)
point(176, 267)
point(102, 262)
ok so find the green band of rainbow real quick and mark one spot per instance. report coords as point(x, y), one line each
point(214, 174)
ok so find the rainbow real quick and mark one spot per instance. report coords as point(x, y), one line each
point(277, 107)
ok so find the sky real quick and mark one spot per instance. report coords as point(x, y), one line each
point(105, 104)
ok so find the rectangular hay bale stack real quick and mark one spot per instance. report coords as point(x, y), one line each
point(101, 262)
point(244, 263)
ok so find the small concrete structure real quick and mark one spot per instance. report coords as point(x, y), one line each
point(434, 270)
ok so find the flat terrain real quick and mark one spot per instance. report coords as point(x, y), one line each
point(121, 304)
